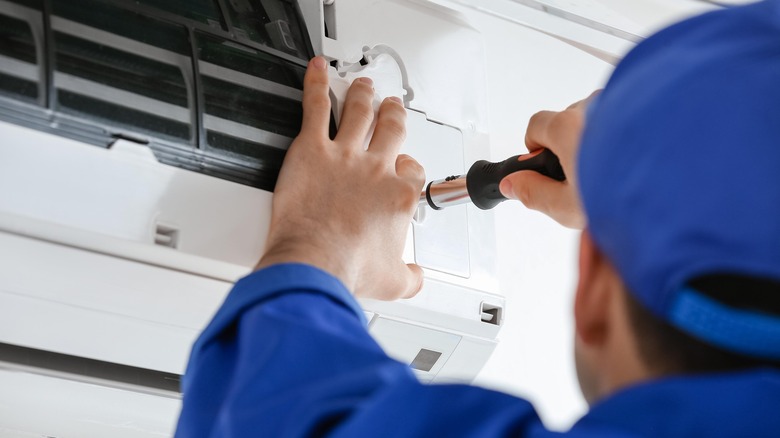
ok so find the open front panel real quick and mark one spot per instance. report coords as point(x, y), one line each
point(209, 90)
point(214, 87)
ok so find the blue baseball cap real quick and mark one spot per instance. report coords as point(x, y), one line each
point(679, 171)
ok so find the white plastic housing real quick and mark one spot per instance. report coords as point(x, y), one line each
point(126, 259)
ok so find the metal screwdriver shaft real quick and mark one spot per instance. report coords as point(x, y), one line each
point(480, 184)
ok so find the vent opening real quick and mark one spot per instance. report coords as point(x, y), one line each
point(425, 360)
point(165, 235)
point(129, 137)
point(329, 13)
point(491, 314)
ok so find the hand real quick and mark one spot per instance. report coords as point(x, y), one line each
point(559, 132)
point(342, 208)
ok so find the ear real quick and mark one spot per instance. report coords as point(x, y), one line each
point(592, 300)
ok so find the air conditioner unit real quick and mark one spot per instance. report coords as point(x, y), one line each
point(141, 144)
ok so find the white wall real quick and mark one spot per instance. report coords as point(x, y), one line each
point(528, 72)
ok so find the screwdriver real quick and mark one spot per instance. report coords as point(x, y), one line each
point(480, 184)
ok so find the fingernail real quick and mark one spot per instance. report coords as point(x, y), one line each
point(366, 80)
point(396, 99)
point(319, 63)
point(506, 189)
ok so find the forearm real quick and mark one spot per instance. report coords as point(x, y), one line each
point(287, 352)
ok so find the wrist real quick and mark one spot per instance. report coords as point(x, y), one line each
point(334, 261)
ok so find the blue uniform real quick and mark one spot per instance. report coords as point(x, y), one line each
point(288, 355)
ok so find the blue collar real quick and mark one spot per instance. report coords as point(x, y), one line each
point(706, 405)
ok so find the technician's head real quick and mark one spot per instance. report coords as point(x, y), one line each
point(679, 172)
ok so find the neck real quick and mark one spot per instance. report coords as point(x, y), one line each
point(622, 361)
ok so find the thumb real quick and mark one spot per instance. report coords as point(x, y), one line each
point(533, 189)
point(414, 280)
point(557, 199)
point(403, 281)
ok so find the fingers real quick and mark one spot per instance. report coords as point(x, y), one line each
point(560, 132)
point(358, 113)
point(550, 129)
point(316, 99)
point(536, 135)
point(390, 131)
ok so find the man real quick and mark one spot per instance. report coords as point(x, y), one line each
point(678, 304)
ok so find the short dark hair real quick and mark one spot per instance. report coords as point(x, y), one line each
point(667, 350)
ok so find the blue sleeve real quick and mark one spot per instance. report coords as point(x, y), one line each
point(288, 355)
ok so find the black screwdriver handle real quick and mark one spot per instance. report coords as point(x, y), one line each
point(484, 177)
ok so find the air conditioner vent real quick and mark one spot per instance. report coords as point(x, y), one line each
point(166, 236)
